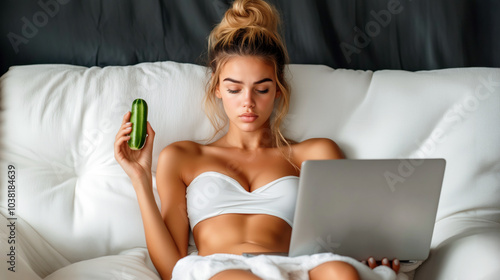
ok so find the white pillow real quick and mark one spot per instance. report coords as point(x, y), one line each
point(128, 265)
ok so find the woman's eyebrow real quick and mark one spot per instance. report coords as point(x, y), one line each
point(240, 82)
point(263, 81)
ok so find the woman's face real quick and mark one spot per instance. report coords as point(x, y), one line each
point(248, 89)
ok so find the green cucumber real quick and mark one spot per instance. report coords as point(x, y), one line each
point(138, 118)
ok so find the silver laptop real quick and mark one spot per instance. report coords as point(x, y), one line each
point(362, 208)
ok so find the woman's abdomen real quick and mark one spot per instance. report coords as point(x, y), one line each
point(242, 233)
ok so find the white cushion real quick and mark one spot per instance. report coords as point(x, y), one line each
point(59, 123)
point(128, 265)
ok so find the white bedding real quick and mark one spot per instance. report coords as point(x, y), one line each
point(270, 267)
point(34, 255)
point(76, 204)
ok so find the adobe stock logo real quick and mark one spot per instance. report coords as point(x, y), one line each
point(30, 27)
point(362, 38)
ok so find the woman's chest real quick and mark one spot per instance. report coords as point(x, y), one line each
point(251, 171)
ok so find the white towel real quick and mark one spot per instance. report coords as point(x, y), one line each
point(272, 267)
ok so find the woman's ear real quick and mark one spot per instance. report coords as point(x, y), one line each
point(278, 93)
point(217, 92)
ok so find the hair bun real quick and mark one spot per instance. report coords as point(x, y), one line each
point(251, 14)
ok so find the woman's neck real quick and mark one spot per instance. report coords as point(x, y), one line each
point(248, 141)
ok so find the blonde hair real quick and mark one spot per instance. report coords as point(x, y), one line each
point(249, 28)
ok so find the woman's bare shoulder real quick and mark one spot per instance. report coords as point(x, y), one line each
point(177, 160)
point(180, 152)
point(185, 146)
point(317, 148)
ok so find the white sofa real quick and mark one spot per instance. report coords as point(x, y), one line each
point(76, 211)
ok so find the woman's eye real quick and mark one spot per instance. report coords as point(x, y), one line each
point(233, 90)
point(263, 91)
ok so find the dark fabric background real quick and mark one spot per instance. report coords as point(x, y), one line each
point(354, 34)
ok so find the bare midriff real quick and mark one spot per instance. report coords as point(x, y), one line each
point(242, 233)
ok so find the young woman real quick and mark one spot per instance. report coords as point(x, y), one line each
point(237, 194)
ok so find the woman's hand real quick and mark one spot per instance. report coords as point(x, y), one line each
point(136, 163)
point(385, 262)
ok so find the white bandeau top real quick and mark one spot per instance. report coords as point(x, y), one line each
point(212, 193)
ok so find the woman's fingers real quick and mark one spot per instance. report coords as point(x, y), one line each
point(149, 137)
point(385, 262)
point(395, 265)
point(118, 146)
point(125, 130)
point(122, 136)
point(125, 124)
point(150, 133)
point(149, 129)
point(372, 263)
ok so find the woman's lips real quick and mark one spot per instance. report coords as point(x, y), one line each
point(248, 117)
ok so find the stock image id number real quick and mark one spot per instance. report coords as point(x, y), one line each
point(11, 195)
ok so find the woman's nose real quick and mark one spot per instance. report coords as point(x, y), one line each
point(248, 99)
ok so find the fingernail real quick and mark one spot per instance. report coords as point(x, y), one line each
point(396, 262)
point(385, 261)
point(127, 123)
point(371, 260)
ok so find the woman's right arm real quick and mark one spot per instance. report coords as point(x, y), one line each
point(166, 232)
point(160, 240)
point(172, 192)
